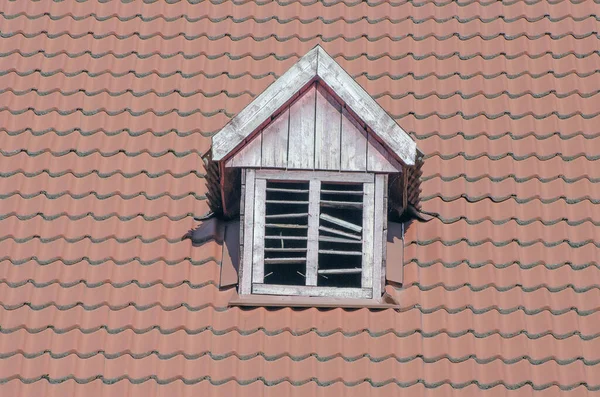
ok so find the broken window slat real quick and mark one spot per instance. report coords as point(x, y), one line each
point(285, 249)
point(339, 240)
point(344, 192)
point(286, 190)
point(336, 252)
point(341, 222)
point(283, 216)
point(354, 270)
point(339, 233)
point(292, 202)
point(284, 260)
point(286, 226)
point(341, 204)
point(301, 238)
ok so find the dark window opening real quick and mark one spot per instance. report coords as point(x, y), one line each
point(340, 235)
point(286, 231)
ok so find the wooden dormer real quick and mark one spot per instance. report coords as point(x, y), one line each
point(313, 166)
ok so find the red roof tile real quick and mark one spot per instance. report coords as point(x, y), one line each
point(106, 109)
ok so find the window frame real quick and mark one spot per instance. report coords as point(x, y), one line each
point(253, 229)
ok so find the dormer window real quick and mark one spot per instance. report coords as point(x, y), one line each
point(313, 155)
point(314, 233)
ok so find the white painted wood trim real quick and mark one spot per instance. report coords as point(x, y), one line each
point(258, 249)
point(367, 237)
point(260, 110)
point(293, 290)
point(246, 266)
point(312, 253)
point(325, 176)
point(378, 245)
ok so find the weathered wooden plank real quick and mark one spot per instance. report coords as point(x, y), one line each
point(385, 233)
point(301, 290)
point(258, 250)
point(325, 176)
point(298, 238)
point(248, 236)
point(231, 254)
point(309, 301)
point(312, 255)
point(328, 239)
point(379, 159)
point(285, 202)
point(264, 105)
point(395, 253)
point(343, 192)
point(287, 216)
point(328, 123)
point(361, 103)
point(355, 270)
point(354, 144)
point(275, 142)
point(378, 244)
point(301, 154)
point(249, 155)
point(367, 237)
point(339, 232)
point(286, 226)
point(341, 204)
point(341, 223)
point(284, 260)
point(284, 190)
point(285, 249)
point(337, 252)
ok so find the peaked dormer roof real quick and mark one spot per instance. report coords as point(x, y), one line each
point(315, 65)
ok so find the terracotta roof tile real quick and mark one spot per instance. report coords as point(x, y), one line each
point(108, 107)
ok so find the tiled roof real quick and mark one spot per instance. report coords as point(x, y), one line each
point(106, 109)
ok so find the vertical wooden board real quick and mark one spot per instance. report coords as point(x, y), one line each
point(258, 250)
point(368, 223)
point(249, 155)
point(301, 154)
point(385, 231)
point(328, 123)
point(379, 159)
point(275, 142)
point(246, 277)
point(395, 253)
point(231, 254)
point(312, 252)
point(353, 143)
point(379, 214)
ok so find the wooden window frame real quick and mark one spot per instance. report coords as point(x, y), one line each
point(253, 232)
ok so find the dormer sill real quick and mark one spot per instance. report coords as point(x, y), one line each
point(301, 301)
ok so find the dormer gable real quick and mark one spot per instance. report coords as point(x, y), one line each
point(335, 91)
point(318, 132)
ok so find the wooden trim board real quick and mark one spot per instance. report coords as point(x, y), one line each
point(304, 290)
